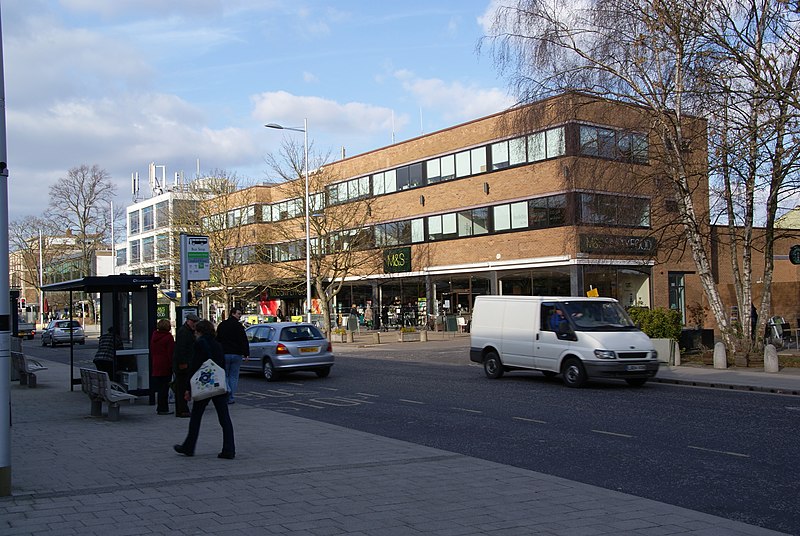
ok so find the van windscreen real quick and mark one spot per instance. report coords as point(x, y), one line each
point(599, 316)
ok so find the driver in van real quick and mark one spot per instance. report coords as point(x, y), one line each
point(558, 322)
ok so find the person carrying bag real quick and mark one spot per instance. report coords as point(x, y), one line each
point(210, 380)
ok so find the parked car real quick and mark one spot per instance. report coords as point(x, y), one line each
point(62, 331)
point(281, 347)
point(26, 330)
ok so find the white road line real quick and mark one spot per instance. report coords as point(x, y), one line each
point(793, 408)
point(329, 389)
point(467, 410)
point(411, 401)
point(529, 420)
point(611, 433)
point(368, 394)
point(295, 383)
point(738, 454)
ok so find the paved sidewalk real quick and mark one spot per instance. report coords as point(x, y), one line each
point(76, 474)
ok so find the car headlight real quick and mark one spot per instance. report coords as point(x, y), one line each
point(605, 354)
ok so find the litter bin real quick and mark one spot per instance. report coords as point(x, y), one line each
point(450, 323)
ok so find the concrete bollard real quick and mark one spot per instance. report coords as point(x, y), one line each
point(770, 359)
point(376, 337)
point(349, 336)
point(720, 356)
point(423, 336)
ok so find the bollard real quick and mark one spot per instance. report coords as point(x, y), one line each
point(349, 336)
point(720, 357)
point(376, 337)
point(423, 336)
point(770, 359)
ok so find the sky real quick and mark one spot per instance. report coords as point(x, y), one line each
point(123, 83)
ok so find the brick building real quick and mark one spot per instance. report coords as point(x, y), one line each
point(561, 197)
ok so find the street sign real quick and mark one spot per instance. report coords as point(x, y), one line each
point(794, 254)
point(197, 258)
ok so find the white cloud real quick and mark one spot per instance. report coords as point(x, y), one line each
point(454, 101)
point(311, 78)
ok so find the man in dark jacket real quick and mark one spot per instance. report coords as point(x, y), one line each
point(231, 335)
point(184, 349)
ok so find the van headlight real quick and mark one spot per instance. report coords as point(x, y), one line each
point(605, 354)
point(654, 354)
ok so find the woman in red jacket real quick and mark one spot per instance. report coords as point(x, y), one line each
point(162, 345)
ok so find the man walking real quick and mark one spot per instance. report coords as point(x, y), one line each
point(231, 335)
point(182, 356)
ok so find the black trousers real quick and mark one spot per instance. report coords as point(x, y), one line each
point(181, 386)
point(198, 408)
point(161, 389)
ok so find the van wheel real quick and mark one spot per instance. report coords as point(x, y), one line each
point(492, 365)
point(636, 382)
point(573, 373)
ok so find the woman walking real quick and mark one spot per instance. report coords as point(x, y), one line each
point(207, 347)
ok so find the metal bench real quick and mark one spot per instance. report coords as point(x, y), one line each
point(26, 368)
point(97, 385)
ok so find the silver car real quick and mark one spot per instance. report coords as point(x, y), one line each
point(282, 347)
point(62, 331)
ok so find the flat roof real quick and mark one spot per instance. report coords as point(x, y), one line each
point(108, 283)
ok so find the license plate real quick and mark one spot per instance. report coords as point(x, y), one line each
point(633, 368)
point(309, 350)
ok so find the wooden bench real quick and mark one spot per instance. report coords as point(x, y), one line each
point(26, 368)
point(97, 385)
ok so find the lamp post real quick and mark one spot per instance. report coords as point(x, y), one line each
point(304, 130)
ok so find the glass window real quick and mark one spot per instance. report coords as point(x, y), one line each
point(519, 215)
point(537, 212)
point(478, 156)
point(133, 222)
point(606, 143)
point(162, 214)
point(516, 151)
point(500, 158)
point(250, 214)
point(403, 178)
point(148, 249)
point(417, 230)
point(557, 210)
point(536, 147)
point(266, 213)
point(465, 223)
point(449, 223)
point(378, 187)
point(162, 246)
point(502, 217)
point(148, 222)
point(433, 171)
point(588, 141)
point(316, 203)
point(122, 256)
point(415, 178)
point(555, 142)
point(133, 248)
point(448, 167)
point(463, 167)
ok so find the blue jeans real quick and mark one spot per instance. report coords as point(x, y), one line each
point(233, 363)
point(224, 418)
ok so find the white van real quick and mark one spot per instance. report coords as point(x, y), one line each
point(579, 338)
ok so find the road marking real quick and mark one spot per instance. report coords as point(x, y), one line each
point(329, 389)
point(793, 408)
point(467, 410)
point(529, 420)
point(368, 394)
point(611, 433)
point(721, 452)
point(411, 401)
point(296, 383)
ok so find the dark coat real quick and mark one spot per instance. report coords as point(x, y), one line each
point(184, 347)
point(231, 335)
point(206, 347)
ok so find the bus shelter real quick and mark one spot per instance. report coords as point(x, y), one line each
point(128, 304)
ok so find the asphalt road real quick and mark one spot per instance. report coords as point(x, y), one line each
point(727, 453)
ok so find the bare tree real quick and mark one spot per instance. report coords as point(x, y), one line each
point(342, 239)
point(660, 55)
point(82, 201)
point(218, 208)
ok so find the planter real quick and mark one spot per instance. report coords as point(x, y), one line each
point(339, 337)
point(407, 336)
point(667, 349)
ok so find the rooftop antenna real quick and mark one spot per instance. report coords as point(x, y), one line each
point(135, 185)
point(197, 173)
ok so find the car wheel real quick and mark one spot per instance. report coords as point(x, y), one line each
point(573, 372)
point(549, 373)
point(44, 343)
point(323, 372)
point(636, 382)
point(270, 374)
point(492, 365)
point(82, 342)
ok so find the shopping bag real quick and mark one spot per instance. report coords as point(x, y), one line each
point(208, 381)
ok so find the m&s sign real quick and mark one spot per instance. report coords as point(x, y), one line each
point(397, 260)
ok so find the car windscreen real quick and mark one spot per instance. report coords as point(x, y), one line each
point(66, 324)
point(598, 316)
point(300, 333)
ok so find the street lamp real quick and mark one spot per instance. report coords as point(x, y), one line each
point(304, 130)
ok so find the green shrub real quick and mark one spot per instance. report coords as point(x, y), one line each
point(658, 323)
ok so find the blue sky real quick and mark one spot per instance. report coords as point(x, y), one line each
point(122, 83)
